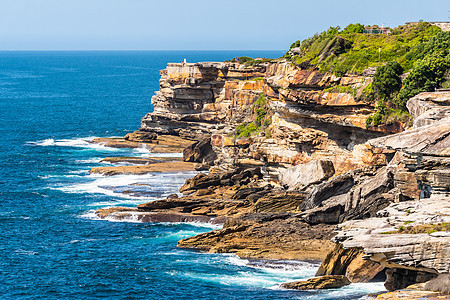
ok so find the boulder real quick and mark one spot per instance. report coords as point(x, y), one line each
point(201, 152)
point(351, 263)
point(362, 270)
point(337, 261)
point(200, 181)
point(409, 237)
point(336, 186)
point(308, 173)
point(369, 196)
point(318, 283)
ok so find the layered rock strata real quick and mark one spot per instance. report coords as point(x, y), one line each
point(314, 165)
point(205, 100)
point(412, 237)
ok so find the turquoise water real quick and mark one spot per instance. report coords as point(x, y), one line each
point(51, 244)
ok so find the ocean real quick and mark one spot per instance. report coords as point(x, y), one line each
point(52, 246)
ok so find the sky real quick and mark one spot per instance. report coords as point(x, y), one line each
point(193, 24)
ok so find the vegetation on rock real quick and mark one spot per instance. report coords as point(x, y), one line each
point(420, 49)
point(249, 61)
point(261, 119)
point(351, 51)
point(422, 228)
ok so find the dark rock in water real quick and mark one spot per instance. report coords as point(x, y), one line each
point(201, 152)
point(318, 283)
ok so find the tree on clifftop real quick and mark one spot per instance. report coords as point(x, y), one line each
point(387, 79)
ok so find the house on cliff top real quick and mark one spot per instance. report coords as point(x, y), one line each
point(375, 29)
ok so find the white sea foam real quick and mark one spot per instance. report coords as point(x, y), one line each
point(25, 252)
point(79, 172)
point(270, 274)
point(59, 176)
point(98, 184)
point(76, 142)
point(94, 160)
point(156, 186)
point(240, 278)
point(235, 260)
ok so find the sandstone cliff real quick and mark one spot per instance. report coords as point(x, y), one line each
point(289, 157)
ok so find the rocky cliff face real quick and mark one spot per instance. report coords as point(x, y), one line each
point(307, 122)
point(412, 237)
point(195, 98)
point(307, 165)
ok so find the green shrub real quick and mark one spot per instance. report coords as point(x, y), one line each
point(364, 48)
point(387, 79)
point(295, 45)
point(368, 94)
point(426, 75)
point(245, 129)
point(388, 116)
point(358, 28)
point(261, 119)
point(376, 118)
point(244, 59)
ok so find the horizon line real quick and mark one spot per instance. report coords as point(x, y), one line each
point(62, 50)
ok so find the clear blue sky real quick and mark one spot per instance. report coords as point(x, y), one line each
point(192, 24)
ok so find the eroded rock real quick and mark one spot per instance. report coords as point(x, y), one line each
point(305, 174)
point(319, 283)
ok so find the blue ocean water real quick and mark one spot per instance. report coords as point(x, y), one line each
point(51, 244)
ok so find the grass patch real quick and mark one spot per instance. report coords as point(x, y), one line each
point(261, 119)
point(248, 61)
point(423, 228)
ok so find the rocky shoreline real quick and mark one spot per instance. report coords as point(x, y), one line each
point(307, 180)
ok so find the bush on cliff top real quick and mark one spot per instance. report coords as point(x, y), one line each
point(245, 60)
point(387, 80)
point(351, 51)
point(432, 62)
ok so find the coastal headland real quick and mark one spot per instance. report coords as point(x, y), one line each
point(316, 155)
